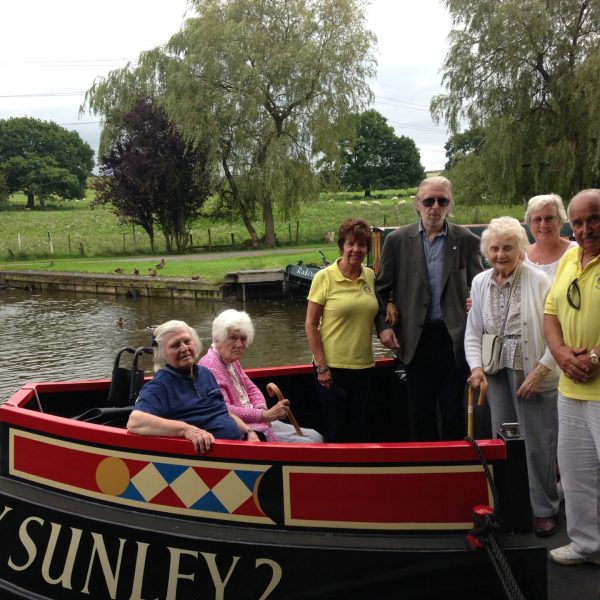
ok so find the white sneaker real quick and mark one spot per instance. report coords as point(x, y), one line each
point(567, 555)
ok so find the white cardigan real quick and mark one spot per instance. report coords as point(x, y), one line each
point(534, 287)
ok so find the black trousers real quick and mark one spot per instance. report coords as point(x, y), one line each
point(436, 384)
point(345, 406)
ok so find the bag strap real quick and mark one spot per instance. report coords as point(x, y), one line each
point(512, 289)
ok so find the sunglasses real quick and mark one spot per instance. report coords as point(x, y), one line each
point(429, 202)
point(574, 295)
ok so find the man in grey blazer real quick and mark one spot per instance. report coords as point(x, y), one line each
point(426, 270)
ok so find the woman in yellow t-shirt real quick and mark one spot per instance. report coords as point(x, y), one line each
point(339, 325)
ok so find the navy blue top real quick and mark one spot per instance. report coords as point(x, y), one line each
point(196, 400)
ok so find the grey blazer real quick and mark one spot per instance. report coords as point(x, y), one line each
point(403, 275)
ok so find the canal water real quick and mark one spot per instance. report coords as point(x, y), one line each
point(61, 336)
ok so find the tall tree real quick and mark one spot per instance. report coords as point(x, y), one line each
point(461, 145)
point(527, 71)
point(150, 176)
point(41, 159)
point(273, 83)
point(4, 193)
point(378, 158)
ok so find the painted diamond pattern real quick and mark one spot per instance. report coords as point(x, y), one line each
point(189, 487)
point(232, 491)
point(149, 482)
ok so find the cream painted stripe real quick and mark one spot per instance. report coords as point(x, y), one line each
point(126, 501)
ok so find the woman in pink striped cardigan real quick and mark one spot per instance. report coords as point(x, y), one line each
point(232, 333)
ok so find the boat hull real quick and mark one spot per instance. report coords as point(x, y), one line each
point(88, 510)
point(61, 547)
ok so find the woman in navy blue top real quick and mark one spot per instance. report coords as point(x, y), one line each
point(183, 399)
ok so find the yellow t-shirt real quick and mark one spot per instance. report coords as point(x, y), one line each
point(349, 308)
point(580, 328)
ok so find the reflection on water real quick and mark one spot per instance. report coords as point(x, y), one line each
point(60, 336)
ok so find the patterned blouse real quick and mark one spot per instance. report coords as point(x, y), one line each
point(493, 318)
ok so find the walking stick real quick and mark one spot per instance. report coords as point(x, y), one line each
point(471, 404)
point(273, 390)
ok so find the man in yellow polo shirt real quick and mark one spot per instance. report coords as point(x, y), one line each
point(572, 329)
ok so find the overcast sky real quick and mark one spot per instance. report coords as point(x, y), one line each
point(51, 52)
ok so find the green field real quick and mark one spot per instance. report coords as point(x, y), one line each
point(72, 236)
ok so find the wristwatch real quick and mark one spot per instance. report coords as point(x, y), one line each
point(594, 357)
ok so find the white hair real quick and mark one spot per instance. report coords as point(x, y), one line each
point(538, 202)
point(506, 228)
point(232, 320)
point(160, 331)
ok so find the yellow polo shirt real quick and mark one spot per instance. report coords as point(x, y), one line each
point(580, 328)
point(349, 308)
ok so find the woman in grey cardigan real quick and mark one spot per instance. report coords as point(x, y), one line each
point(508, 299)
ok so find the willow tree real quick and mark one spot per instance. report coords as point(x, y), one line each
point(526, 71)
point(271, 84)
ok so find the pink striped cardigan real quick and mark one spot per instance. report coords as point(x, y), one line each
point(251, 415)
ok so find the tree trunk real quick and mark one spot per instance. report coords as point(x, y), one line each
point(238, 202)
point(270, 238)
point(248, 224)
point(368, 193)
point(30, 198)
point(150, 231)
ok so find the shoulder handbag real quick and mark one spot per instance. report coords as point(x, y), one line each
point(491, 344)
point(491, 349)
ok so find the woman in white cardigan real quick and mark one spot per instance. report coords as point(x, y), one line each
point(509, 299)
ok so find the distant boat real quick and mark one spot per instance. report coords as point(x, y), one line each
point(298, 279)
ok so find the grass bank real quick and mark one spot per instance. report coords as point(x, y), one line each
point(78, 230)
point(206, 268)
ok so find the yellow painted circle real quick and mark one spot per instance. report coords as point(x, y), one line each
point(112, 476)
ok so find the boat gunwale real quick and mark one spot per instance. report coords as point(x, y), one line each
point(13, 412)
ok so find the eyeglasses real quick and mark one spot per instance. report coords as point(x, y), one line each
point(538, 220)
point(574, 295)
point(429, 202)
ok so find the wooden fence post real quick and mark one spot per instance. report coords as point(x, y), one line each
point(209, 241)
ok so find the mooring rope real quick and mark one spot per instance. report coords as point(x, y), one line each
point(485, 525)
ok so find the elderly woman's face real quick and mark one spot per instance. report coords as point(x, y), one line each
point(179, 349)
point(503, 253)
point(544, 224)
point(233, 347)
